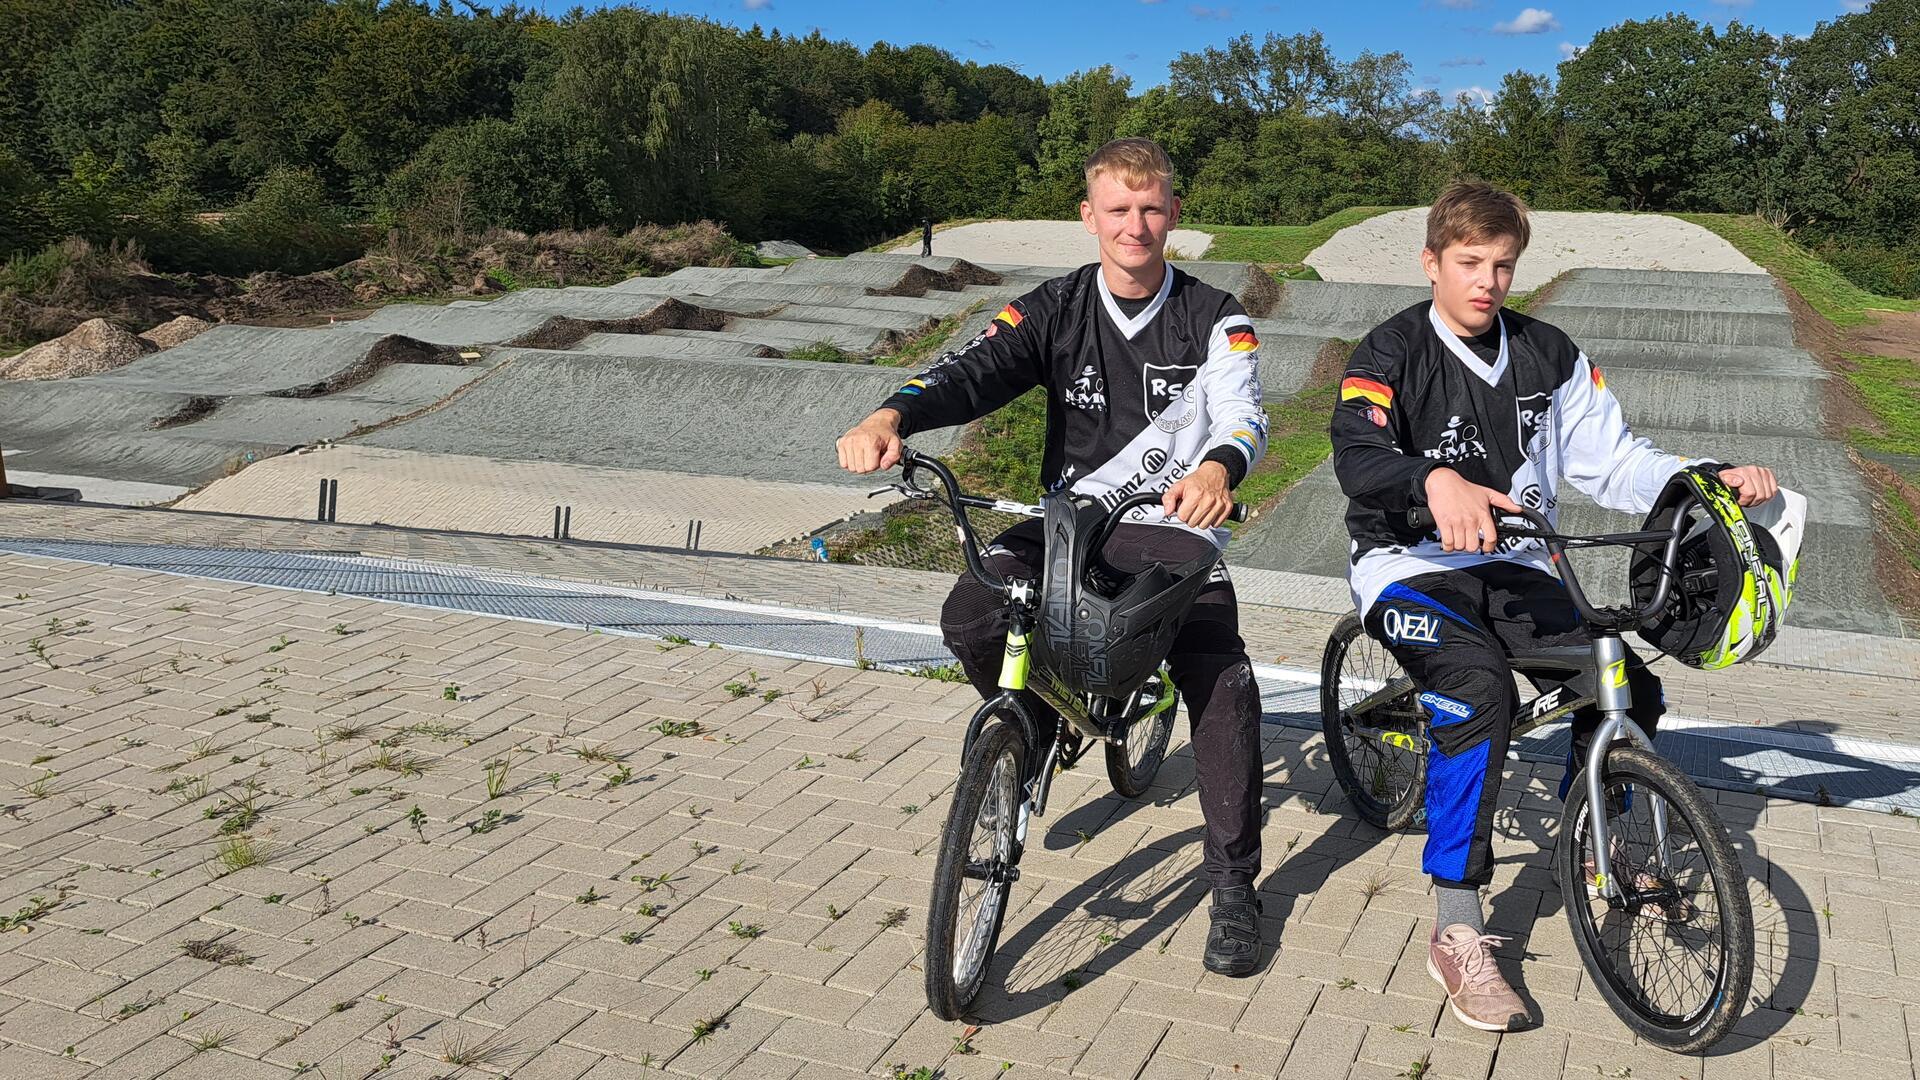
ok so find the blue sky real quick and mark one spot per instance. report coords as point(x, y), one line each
point(1454, 45)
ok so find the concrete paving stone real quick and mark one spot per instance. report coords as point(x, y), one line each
point(627, 1039)
point(61, 986)
point(826, 1044)
point(150, 1060)
point(1324, 900)
point(28, 1064)
point(558, 1063)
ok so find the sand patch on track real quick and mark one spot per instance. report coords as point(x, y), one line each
point(1037, 243)
point(1386, 249)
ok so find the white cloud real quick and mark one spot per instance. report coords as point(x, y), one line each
point(756, 5)
point(1856, 6)
point(1484, 95)
point(1529, 21)
point(1464, 61)
point(1568, 50)
point(1734, 3)
point(1221, 14)
point(1459, 5)
point(980, 43)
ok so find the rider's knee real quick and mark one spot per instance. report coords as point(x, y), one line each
point(1468, 706)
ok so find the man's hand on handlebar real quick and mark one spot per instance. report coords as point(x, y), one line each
point(1201, 498)
point(872, 444)
point(1754, 484)
point(1463, 511)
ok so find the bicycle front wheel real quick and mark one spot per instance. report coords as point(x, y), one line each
point(1674, 955)
point(1375, 730)
point(974, 872)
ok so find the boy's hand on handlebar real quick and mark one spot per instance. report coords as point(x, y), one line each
point(1754, 484)
point(1463, 511)
point(1200, 499)
point(872, 444)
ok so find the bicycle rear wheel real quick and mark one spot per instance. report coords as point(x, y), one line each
point(974, 871)
point(1133, 760)
point(1376, 732)
point(1675, 958)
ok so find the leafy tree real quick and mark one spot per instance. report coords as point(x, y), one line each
point(1082, 112)
point(1678, 113)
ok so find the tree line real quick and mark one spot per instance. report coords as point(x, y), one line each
point(242, 134)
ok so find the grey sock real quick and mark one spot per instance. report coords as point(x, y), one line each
point(1456, 905)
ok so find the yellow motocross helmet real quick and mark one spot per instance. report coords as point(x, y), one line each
point(1737, 569)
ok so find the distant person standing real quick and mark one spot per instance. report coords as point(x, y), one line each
point(926, 237)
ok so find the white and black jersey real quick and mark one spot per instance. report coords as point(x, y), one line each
point(1135, 401)
point(1522, 413)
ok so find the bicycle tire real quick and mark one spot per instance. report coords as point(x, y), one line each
point(1645, 774)
point(1394, 795)
point(999, 754)
point(1132, 778)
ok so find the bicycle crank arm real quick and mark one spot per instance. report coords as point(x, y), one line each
point(1382, 696)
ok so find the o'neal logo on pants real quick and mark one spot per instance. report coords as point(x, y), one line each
point(1411, 627)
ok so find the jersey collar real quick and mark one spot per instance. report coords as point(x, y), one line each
point(1129, 327)
point(1489, 375)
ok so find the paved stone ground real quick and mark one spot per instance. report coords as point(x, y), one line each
point(459, 491)
point(764, 876)
point(1819, 682)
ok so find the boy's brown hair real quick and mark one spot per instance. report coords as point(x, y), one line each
point(1135, 162)
point(1470, 212)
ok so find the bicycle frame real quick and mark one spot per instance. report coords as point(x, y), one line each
point(1609, 670)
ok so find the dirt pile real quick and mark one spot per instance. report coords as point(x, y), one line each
point(88, 349)
point(179, 329)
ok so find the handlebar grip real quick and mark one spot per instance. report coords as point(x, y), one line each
point(1241, 512)
point(1420, 519)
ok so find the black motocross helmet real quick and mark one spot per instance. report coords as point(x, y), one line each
point(1102, 631)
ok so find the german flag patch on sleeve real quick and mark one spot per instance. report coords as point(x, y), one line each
point(1358, 389)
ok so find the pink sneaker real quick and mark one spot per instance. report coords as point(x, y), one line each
point(1461, 961)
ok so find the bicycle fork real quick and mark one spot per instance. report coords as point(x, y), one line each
point(1613, 696)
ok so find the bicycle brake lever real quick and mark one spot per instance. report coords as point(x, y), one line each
point(902, 489)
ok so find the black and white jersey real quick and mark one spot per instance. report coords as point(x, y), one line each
point(1134, 403)
point(1416, 398)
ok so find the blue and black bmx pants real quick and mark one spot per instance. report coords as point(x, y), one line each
point(1452, 632)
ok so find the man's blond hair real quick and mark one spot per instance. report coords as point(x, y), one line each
point(1134, 162)
point(1470, 212)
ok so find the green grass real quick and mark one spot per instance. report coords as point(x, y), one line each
point(1285, 244)
point(921, 349)
point(1003, 459)
point(913, 354)
point(1298, 440)
point(823, 352)
point(1828, 291)
point(1890, 385)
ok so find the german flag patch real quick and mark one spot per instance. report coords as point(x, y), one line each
point(1599, 380)
point(1242, 340)
point(1357, 389)
point(1010, 315)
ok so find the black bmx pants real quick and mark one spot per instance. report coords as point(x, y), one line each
point(1210, 669)
point(1452, 632)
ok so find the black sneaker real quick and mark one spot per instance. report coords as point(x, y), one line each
point(1233, 938)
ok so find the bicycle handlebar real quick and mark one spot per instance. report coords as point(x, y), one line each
point(1537, 527)
point(911, 461)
